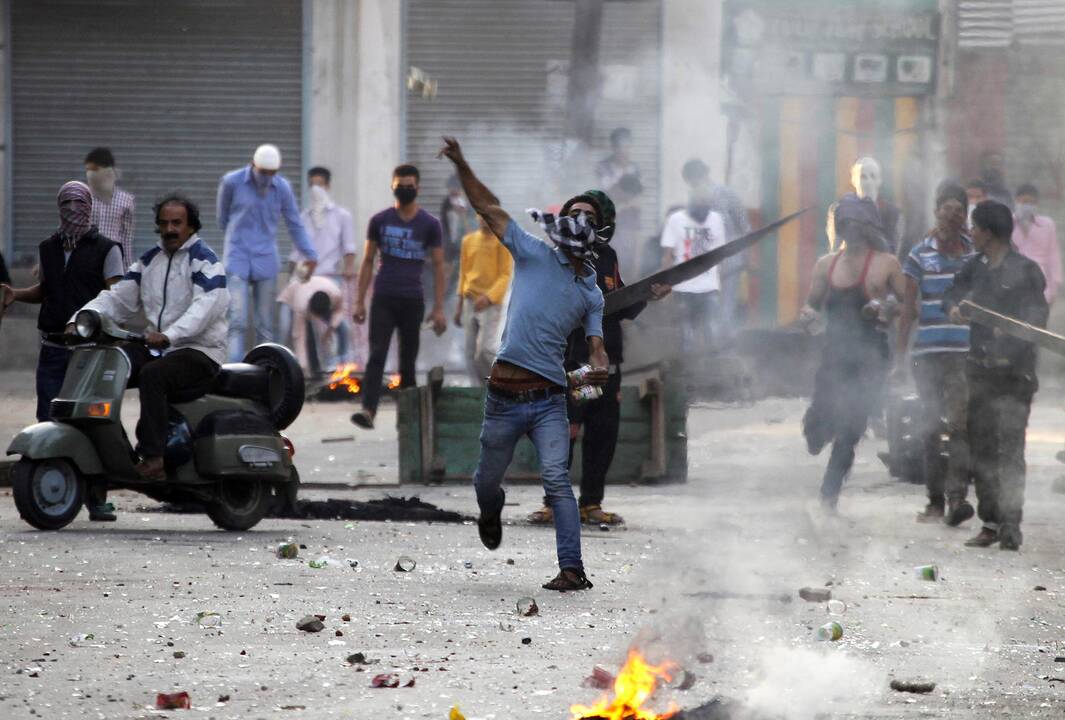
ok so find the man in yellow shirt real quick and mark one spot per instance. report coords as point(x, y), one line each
point(485, 268)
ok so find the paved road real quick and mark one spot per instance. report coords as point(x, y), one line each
point(698, 570)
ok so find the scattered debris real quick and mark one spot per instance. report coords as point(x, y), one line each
point(830, 631)
point(913, 686)
point(468, 564)
point(345, 617)
point(288, 551)
point(1060, 658)
point(510, 561)
point(604, 527)
point(223, 699)
point(179, 654)
point(340, 438)
point(704, 657)
point(526, 641)
point(389, 680)
point(684, 680)
point(359, 659)
point(1039, 588)
point(208, 619)
point(527, 607)
point(173, 701)
point(505, 626)
point(399, 509)
point(322, 562)
point(836, 607)
point(600, 679)
point(927, 572)
point(81, 638)
point(455, 714)
point(810, 594)
point(405, 564)
point(310, 623)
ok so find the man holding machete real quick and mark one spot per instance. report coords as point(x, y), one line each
point(1000, 369)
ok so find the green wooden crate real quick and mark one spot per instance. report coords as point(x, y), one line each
point(439, 436)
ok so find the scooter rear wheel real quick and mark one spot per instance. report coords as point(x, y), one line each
point(48, 493)
point(240, 504)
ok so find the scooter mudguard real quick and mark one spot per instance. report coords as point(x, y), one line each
point(57, 440)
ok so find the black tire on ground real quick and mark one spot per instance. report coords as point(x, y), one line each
point(240, 503)
point(286, 381)
point(48, 493)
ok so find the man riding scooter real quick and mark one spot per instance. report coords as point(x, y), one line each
point(181, 287)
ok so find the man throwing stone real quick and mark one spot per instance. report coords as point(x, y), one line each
point(554, 291)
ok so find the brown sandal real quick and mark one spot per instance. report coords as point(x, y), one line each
point(596, 515)
point(569, 579)
point(543, 516)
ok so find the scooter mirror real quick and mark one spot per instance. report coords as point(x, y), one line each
point(87, 324)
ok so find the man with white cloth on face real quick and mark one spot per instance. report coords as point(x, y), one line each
point(332, 233)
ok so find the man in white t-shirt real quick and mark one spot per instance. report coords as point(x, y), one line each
point(689, 232)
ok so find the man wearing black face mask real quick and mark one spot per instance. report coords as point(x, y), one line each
point(695, 230)
point(405, 235)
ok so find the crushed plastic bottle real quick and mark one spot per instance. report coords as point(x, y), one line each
point(208, 619)
point(527, 607)
point(830, 632)
point(927, 572)
point(322, 562)
point(836, 607)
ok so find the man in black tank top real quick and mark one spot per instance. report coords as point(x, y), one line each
point(855, 360)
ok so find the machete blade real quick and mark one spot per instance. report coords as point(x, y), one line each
point(641, 290)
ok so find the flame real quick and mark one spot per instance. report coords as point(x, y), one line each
point(344, 376)
point(635, 683)
point(393, 382)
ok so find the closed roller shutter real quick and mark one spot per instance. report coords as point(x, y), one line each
point(501, 68)
point(182, 92)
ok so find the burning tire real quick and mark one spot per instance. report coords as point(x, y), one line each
point(285, 395)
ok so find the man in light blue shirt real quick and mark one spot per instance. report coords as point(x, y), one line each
point(251, 200)
point(554, 291)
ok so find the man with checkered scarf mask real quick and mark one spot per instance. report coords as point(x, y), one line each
point(554, 291)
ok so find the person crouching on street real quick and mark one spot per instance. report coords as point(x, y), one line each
point(1001, 370)
point(180, 286)
point(553, 292)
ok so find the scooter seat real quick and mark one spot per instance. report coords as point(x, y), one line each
point(242, 380)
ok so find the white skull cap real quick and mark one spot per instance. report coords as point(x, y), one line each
point(267, 157)
point(871, 187)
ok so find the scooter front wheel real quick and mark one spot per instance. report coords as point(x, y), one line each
point(240, 504)
point(48, 493)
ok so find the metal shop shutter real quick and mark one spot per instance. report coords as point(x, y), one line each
point(501, 68)
point(182, 92)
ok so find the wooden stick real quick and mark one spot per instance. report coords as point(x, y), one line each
point(1016, 328)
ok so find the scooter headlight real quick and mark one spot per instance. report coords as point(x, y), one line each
point(87, 324)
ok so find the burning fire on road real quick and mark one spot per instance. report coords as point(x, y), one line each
point(636, 682)
point(346, 381)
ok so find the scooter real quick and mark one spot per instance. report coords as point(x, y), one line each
point(224, 450)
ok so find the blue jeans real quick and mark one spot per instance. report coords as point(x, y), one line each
point(547, 425)
point(698, 316)
point(51, 369)
point(263, 297)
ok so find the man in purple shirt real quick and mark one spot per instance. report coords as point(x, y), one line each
point(251, 200)
point(405, 235)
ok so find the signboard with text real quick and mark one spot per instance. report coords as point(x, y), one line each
point(850, 47)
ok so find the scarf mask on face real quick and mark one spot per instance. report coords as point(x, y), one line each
point(1025, 213)
point(319, 203)
point(75, 212)
point(577, 235)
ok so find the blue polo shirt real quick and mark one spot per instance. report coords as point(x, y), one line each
point(547, 301)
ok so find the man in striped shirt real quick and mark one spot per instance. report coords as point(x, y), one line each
point(938, 355)
point(112, 207)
